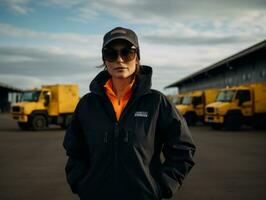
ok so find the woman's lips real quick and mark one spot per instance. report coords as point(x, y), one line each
point(120, 68)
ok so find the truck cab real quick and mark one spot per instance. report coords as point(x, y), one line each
point(232, 108)
point(51, 104)
point(193, 104)
point(192, 107)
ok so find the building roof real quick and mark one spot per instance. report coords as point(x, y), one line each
point(243, 53)
point(10, 88)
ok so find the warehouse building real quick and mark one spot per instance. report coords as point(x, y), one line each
point(247, 66)
point(8, 95)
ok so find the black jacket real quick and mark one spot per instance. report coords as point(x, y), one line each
point(110, 159)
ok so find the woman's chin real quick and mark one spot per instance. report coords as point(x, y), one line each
point(121, 75)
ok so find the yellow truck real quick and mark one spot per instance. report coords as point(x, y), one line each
point(51, 104)
point(193, 104)
point(234, 106)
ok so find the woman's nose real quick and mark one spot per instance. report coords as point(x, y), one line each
point(119, 58)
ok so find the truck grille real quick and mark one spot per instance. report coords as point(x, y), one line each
point(210, 110)
point(15, 109)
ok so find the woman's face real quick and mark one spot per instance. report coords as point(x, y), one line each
point(121, 68)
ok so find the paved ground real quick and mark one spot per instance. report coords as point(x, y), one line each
point(230, 165)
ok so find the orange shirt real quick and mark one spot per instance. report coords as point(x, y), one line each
point(118, 105)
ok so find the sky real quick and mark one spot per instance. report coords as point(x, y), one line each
point(59, 41)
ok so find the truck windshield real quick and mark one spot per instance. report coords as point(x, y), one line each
point(177, 100)
point(187, 100)
point(225, 96)
point(30, 96)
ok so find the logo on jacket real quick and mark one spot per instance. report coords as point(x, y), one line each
point(141, 114)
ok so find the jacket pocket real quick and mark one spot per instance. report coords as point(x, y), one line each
point(100, 162)
point(95, 184)
point(99, 143)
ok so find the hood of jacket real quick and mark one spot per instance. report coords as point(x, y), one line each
point(142, 81)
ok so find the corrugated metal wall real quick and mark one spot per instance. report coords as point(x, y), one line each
point(250, 69)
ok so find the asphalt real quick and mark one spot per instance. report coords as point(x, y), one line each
point(229, 165)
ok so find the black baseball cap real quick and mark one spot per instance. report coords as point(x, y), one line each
point(121, 33)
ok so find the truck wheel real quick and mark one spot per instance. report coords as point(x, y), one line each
point(38, 122)
point(67, 121)
point(191, 119)
point(23, 126)
point(233, 122)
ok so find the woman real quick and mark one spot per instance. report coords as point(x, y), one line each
point(121, 127)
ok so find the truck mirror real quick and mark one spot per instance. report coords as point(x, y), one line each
point(196, 101)
point(17, 98)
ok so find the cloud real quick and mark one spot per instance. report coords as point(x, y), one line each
point(158, 47)
point(18, 6)
point(29, 82)
point(176, 37)
point(167, 22)
point(20, 81)
point(183, 23)
point(152, 11)
point(62, 3)
point(29, 67)
point(193, 41)
point(56, 64)
point(13, 31)
point(49, 60)
point(54, 53)
point(149, 11)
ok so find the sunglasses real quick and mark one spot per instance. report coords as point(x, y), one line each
point(127, 54)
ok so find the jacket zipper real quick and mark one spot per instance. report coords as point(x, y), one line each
point(105, 140)
point(116, 141)
point(126, 137)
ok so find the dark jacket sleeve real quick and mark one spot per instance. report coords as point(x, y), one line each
point(76, 150)
point(177, 146)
